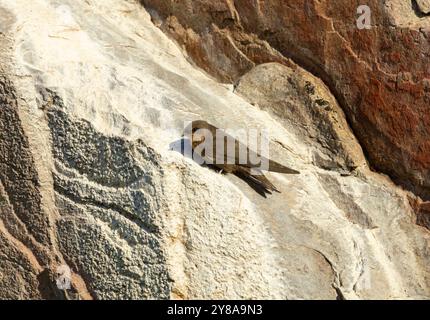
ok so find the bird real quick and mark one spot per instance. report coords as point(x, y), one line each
point(197, 131)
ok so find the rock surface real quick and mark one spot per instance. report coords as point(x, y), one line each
point(423, 6)
point(93, 100)
point(380, 76)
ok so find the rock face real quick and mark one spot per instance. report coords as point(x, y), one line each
point(423, 6)
point(94, 98)
point(301, 102)
point(380, 76)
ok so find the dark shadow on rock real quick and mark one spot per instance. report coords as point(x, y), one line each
point(418, 12)
point(183, 146)
point(180, 145)
point(47, 287)
point(262, 191)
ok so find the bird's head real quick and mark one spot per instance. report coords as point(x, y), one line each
point(196, 131)
point(195, 125)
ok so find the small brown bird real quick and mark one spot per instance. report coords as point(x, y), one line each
point(231, 162)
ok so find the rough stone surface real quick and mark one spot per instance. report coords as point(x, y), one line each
point(301, 102)
point(423, 6)
point(93, 99)
point(380, 76)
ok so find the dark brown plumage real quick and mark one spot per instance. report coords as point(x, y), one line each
point(221, 160)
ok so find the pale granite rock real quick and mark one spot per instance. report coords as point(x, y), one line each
point(423, 6)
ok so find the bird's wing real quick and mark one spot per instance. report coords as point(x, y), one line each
point(225, 157)
point(277, 167)
point(273, 165)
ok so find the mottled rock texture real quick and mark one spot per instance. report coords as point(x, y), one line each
point(380, 76)
point(93, 102)
point(423, 7)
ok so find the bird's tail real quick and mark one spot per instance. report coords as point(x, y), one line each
point(277, 167)
point(259, 179)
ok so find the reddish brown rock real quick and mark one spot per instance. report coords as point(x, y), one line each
point(380, 76)
point(422, 211)
point(423, 216)
point(423, 6)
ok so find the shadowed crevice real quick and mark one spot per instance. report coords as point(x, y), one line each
point(418, 12)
